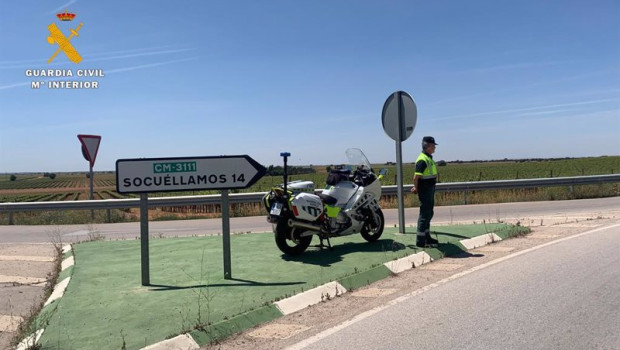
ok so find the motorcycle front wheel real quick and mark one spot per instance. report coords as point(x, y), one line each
point(371, 231)
point(289, 246)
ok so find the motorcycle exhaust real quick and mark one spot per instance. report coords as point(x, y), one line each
point(307, 226)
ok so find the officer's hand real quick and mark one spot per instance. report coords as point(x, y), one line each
point(414, 190)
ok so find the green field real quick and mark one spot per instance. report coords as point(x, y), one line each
point(75, 186)
point(452, 172)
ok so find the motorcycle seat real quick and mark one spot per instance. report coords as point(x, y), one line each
point(327, 199)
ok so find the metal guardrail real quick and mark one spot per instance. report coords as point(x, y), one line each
point(257, 196)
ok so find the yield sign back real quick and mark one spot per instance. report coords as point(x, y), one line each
point(90, 146)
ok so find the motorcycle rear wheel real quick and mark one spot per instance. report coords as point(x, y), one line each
point(371, 231)
point(289, 246)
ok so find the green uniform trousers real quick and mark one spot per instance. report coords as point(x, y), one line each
point(426, 194)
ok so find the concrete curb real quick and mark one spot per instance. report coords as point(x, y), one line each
point(329, 290)
point(30, 340)
point(183, 341)
point(409, 262)
point(57, 292)
point(285, 306)
point(310, 297)
point(480, 241)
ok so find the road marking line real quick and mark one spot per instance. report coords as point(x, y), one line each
point(22, 280)
point(26, 258)
point(326, 333)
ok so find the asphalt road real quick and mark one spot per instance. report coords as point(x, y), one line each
point(24, 242)
point(564, 295)
point(528, 213)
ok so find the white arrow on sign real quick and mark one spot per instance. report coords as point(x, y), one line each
point(90, 146)
point(144, 175)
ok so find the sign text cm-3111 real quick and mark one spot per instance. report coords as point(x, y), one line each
point(186, 174)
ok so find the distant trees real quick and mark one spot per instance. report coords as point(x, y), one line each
point(13, 177)
point(52, 176)
point(292, 170)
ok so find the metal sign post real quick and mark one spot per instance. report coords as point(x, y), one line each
point(145, 175)
point(90, 147)
point(226, 235)
point(144, 239)
point(399, 117)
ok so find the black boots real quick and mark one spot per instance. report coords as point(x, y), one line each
point(425, 240)
point(430, 240)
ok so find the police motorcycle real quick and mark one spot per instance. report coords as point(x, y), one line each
point(348, 205)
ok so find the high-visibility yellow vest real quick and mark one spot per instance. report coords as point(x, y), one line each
point(431, 169)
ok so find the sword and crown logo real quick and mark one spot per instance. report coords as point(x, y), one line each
point(57, 37)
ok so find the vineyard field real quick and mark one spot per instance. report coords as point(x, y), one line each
point(75, 186)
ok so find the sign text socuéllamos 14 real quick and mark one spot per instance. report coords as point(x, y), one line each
point(183, 174)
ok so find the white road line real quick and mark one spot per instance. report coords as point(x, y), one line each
point(22, 280)
point(26, 258)
point(326, 333)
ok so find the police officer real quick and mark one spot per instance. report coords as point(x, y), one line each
point(424, 182)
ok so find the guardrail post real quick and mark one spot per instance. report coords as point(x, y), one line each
point(464, 197)
point(108, 215)
point(10, 218)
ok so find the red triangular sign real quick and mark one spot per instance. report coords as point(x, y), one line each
point(90, 146)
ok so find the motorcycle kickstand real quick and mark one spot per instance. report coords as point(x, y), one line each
point(329, 244)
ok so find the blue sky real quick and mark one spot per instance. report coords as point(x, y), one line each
point(491, 80)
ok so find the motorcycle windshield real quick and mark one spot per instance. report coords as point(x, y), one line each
point(357, 159)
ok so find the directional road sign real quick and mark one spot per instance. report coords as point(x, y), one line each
point(144, 175)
